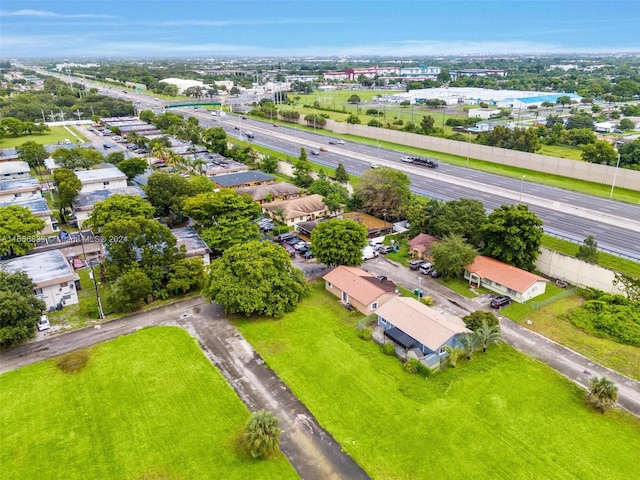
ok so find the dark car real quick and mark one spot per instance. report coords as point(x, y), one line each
point(434, 274)
point(415, 264)
point(385, 249)
point(501, 301)
point(332, 142)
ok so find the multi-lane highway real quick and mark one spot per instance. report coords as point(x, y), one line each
point(615, 225)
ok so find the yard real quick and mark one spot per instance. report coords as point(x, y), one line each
point(146, 406)
point(57, 134)
point(502, 415)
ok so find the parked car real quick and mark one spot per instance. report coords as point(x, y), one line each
point(384, 249)
point(294, 241)
point(434, 274)
point(77, 263)
point(426, 268)
point(106, 146)
point(415, 264)
point(283, 237)
point(290, 250)
point(307, 255)
point(43, 323)
point(501, 301)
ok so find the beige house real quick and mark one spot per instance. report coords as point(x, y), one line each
point(101, 179)
point(271, 192)
point(420, 246)
point(301, 209)
point(358, 289)
point(505, 279)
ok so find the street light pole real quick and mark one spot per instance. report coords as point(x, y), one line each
point(521, 186)
point(615, 174)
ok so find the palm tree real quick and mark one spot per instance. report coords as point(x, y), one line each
point(454, 354)
point(488, 334)
point(470, 342)
point(603, 393)
point(174, 160)
point(262, 435)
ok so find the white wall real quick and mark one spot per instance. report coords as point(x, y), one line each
point(54, 294)
point(111, 184)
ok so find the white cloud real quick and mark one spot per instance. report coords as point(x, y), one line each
point(46, 14)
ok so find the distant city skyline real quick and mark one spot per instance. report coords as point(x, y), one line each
point(198, 28)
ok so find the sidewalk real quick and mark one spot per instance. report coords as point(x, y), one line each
point(572, 365)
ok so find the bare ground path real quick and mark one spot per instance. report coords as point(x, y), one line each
point(310, 449)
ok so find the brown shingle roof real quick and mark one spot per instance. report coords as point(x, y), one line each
point(260, 192)
point(509, 276)
point(298, 207)
point(422, 242)
point(428, 326)
point(357, 283)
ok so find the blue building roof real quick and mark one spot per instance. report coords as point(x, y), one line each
point(240, 178)
point(548, 98)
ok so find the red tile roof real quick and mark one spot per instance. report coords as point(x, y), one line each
point(511, 277)
point(357, 283)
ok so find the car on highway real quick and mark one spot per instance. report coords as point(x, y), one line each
point(501, 301)
point(332, 142)
point(323, 149)
point(43, 323)
point(275, 125)
point(314, 152)
point(340, 142)
point(374, 165)
point(406, 159)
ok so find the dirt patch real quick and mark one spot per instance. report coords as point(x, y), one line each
point(73, 362)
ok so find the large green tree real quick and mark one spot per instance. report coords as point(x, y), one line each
point(421, 214)
point(142, 243)
point(256, 278)
point(74, 158)
point(339, 242)
point(588, 251)
point(599, 152)
point(488, 334)
point(630, 154)
point(474, 320)
point(341, 174)
point(33, 153)
point(513, 234)
point(18, 230)
point(223, 218)
point(167, 192)
point(186, 274)
point(384, 190)
point(132, 167)
point(462, 217)
point(20, 309)
point(68, 186)
point(130, 291)
point(119, 207)
point(452, 255)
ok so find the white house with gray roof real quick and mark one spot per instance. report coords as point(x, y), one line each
point(39, 208)
point(84, 203)
point(19, 189)
point(194, 245)
point(54, 279)
point(101, 179)
point(14, 169)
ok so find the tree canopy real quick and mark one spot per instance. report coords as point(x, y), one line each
point(132, 167)
point(68, 186)
point(33, 153)
point(119, 207)
point(167, 192)
point(18, 230)
point(513, 234)
point(75, 158)
point(339, 242)
point(452, 255)
point(384, 189)
point(20, 309)
point(256, 278)
point(462, 217)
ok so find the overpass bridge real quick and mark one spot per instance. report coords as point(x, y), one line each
point(194, 102)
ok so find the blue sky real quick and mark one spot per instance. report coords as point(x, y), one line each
point(206, 28)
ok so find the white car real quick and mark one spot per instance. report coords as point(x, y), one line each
point(406, 159)
point(43, 323)
point(340, 142)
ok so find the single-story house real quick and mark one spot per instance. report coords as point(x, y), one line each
point(39, 208)
point(271, 192)
point(605, 127)
point(19, 189)
point(14, 169)
point(419, 329)
point(359, 289)
point(84, 203)
point(376, 227)
point(242, 179)
point(55, 280)
point(420, 246)
point(505, 279)
point(193, 244)
point(301, 209)
point(483, 113)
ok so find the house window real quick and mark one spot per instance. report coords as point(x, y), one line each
point(374, 305)
point(345, 297)
point(105, 183)
point(329, 285)
point(37, 291)
point(443, 350)
point(16, 195)
point(511, 292)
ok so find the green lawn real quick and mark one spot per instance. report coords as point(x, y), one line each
point(57, 134)
point(503, 415)
point(550, 321)
point(146, 406)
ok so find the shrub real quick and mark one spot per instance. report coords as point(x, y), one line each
point(411, 366)
point(73, 362)
point(474, 320)
point(389, 349)
point(364, 334)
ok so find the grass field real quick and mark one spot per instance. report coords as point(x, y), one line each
point(57, 134)
point(550, 321)
point(502, 415)
point(146, 406)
